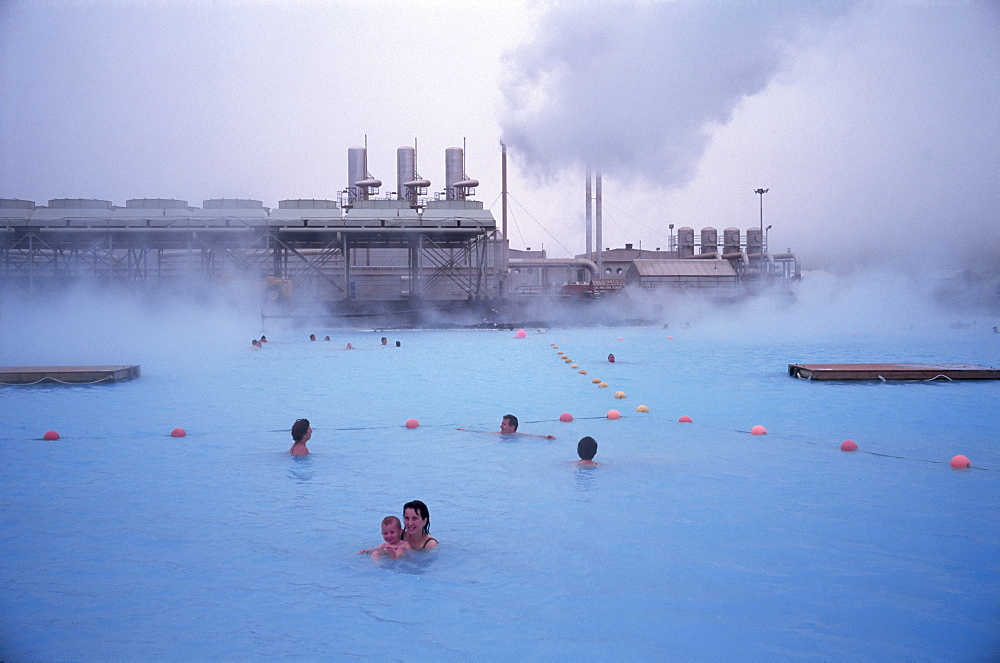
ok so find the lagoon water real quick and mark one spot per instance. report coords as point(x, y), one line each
point(693, 541)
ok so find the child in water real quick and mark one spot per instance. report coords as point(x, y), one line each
point(394, 546)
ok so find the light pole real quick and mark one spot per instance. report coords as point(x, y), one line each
point(761, 192)
point(767, 231)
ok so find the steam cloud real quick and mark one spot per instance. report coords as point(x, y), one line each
point(874, 125)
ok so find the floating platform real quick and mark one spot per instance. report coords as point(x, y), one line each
point(24, 375)
point(893, 371)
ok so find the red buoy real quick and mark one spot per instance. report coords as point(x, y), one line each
point(848, 445)
point(50, 435)
point(178, 432)
point(960, 462)
point(412, 423)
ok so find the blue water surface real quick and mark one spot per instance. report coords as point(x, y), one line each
point(693, 541)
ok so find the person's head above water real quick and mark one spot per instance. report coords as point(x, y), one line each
point(384, 340)
point(392, 529)
point(398, 344)
point(301, 430)
point(418, 516)
point(508, 424)
point(611, 358)
point(587, 448)
point(312, 337)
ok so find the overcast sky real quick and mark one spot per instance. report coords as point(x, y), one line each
point(874, 125)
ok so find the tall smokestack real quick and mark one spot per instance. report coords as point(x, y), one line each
point(590, 220)
point(598, 229)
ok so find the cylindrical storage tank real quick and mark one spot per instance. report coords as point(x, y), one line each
point(454, 165)
point(79, 203)
point(731, 240)
point(232, 203)
point(357, 171)
point(312, 203)
point(709, 240)
point(406, 170)
point(155, 203)
point(16, 203)
point(755, 242)
point(685, 242)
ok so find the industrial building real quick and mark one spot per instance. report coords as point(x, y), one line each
point(360, 249)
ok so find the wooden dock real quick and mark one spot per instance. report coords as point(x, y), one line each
point(893, 372)
point(25, 375)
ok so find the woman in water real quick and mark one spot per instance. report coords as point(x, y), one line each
point(417, 520)
point(301, 433)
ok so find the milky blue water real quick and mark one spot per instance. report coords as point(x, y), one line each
point(694, 541)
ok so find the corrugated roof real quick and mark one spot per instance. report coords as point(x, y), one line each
point(705, 267)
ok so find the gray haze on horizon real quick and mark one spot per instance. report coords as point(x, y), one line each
point(875, 125)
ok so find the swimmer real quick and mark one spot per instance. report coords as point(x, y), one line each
point(394, 545)
point(508, 426)
point(263, 339)
point(418, 526)
point(385, 341)
point(326, 338)
point(301, 433)
point(312, 337)
point(398, 344)
point(349, 347)
point(586, 449)
point(255, 344)
point(611, 358)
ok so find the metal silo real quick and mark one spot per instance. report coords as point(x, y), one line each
point(731, 240)
point(755, 243)
point(709, 240)
point(685, 242)
point(409, 184)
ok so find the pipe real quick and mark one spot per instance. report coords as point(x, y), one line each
point(795, 262)
point(583, 263)
point(742, 255)
point(714, 255)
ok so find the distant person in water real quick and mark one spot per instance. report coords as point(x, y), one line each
point(417, 519)
point(326, 338)
point(301, 433)
point(255, 344)
point(398, 344)
point(394, 546)
point(263, 339)
point(312, 337)
point(385, 341)
point(611, 358)
point(348, 346)
point(508, 426)
point(586, 449)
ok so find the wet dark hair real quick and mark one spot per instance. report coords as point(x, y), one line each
point(299, 429)
point(511, 420)
point(587, 448)
point(422, 511)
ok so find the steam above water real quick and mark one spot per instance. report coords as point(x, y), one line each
point(873, 124)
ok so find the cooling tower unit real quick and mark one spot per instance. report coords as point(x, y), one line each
point(685, 242)
point(709, 240)
point(730, 241)
point(755, 244)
